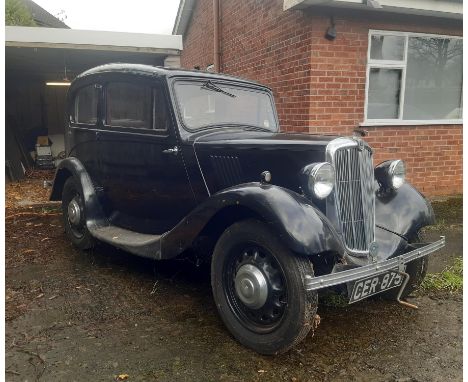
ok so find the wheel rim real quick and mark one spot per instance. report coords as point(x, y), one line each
point(75, 216)
point(251, 286)
point(255, 287)
point(74, 212)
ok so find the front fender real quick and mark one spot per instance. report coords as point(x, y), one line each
point(399, 216)
point(302, 227)
point(404, 211)
point(72, 166)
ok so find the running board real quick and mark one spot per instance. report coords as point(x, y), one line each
point(137, 243)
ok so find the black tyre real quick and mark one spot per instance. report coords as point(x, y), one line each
point(416, 269)
point(73, 212)
point(258, 287)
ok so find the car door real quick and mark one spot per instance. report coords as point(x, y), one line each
point(81, 138)
point(145, 184)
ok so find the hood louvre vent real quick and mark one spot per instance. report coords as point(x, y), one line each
point(227, 170)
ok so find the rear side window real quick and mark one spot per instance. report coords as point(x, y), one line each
point(86, 103)
point(128, 105)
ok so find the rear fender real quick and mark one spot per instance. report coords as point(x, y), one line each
point(71, 166)
point(292, 217)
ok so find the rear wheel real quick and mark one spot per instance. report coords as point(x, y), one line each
point(73, 213)
point(258, 287)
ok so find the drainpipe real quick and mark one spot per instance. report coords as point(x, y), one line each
point(216, 35)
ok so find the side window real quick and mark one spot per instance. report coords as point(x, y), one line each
point(86, 102)
point(128, 105)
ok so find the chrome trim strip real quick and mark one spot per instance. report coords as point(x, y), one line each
point(315, 283)
point(199, 167)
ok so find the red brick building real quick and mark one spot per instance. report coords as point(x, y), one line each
point(393, 68)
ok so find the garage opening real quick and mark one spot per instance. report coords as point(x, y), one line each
point(40, 63)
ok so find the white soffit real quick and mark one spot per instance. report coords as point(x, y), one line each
point(91, 39)
point(452, 9)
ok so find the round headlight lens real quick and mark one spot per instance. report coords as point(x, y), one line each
point(397, 174)
point(322, 180)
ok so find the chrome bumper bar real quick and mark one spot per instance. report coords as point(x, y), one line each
point(325, 281)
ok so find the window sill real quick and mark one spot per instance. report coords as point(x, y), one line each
point(412, 123)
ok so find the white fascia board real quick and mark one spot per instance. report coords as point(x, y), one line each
point(184, 14)
point(91, 39)
point(437, 8)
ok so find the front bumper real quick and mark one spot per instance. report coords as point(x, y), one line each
point(325, 281)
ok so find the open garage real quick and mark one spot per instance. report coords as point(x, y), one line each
point(40, 63)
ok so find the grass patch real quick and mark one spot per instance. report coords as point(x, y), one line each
point(449, 211)
point(449, 280)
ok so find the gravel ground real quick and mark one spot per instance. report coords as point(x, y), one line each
point(75, 316)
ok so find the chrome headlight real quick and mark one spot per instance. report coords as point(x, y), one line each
point(321, 179)
point(397, 173)
point(391, 174)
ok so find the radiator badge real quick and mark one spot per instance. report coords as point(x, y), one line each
point(360, 143)
point(373, 250)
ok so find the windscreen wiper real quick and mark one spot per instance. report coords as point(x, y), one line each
point(252, 127)
point(211, 86)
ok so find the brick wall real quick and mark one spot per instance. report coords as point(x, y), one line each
point(198, 38)
point(433, 154)
point(319, 85)
point(260, 42)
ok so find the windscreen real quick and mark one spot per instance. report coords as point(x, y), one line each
point(212, 104)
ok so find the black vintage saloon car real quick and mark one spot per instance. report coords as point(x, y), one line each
point(162, 162)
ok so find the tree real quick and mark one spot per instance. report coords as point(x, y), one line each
point(16, 13)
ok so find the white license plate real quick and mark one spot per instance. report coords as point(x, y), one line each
point(375, 284)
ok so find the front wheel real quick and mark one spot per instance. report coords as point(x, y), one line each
point(258, 287)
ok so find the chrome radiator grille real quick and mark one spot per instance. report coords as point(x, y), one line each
point(355, 199)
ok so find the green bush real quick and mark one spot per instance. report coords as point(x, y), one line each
point(17, 14)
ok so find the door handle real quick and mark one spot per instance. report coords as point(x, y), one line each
point(174, 150)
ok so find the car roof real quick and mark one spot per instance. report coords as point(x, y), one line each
point(140, 69)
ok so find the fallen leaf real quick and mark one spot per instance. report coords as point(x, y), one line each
point(122, 377)
point(51, 298)
point(40, 295)
point(262, 371)
point(28, 251)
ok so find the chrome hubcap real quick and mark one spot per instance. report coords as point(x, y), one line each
point(74, 212)
point(251, 286)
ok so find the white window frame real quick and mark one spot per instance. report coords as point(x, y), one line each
point(392, 64)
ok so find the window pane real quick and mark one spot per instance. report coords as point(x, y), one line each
point(128, 105)
point(387, 47)
point(202, 107)
point(86, 105)
point(433, 79)
point(383, 99)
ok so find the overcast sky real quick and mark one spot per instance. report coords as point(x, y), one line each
point(144, 16)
